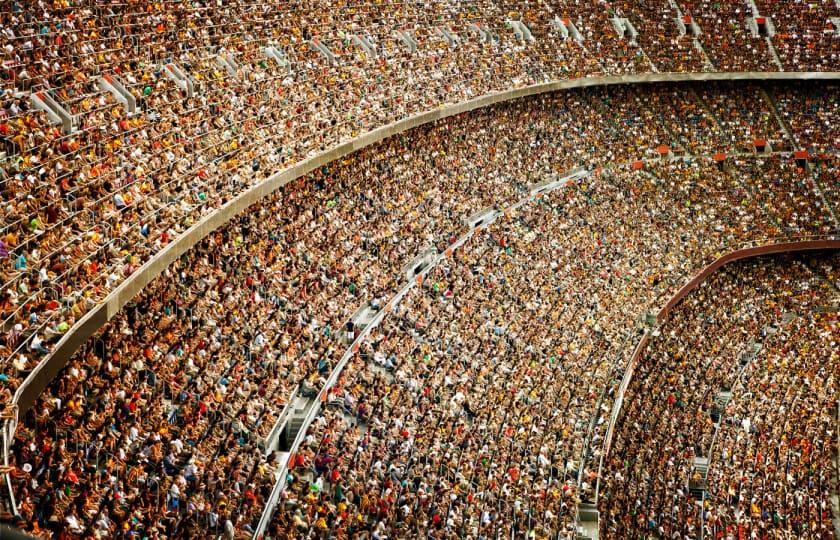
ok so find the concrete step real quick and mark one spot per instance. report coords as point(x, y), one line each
point(697, 493)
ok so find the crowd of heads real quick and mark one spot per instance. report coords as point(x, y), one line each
point(504, 151)
point(85, 209)
point(159, 426)
point(804, 34)
point(763, 333)
point(463, 415)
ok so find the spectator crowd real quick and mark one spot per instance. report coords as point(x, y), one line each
point(159, 425)
point(764, 332)
point(85, 208)
point(596, 127)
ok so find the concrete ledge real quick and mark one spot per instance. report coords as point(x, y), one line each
point(41, 376)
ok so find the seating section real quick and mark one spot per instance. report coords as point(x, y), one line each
point(588, 127)
point(810, 112)
point(784, 435)
point(85, 207)
point(161, 424)
point(732, 403)
point(669, 46)
point(805, 34)
point(726, 34)
point(463, 414)
point(748, 117)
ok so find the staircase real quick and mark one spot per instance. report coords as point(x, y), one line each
point(722, 398)
point(698, 46)
point(301, 409)
point(697, 482)
point(587, 522)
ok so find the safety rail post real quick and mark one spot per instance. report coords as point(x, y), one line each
point(113, 84)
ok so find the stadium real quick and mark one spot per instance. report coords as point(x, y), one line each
point(380, 269)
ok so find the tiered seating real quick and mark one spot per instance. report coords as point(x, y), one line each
point(457, 439)
point(673, 406)
point(433, 426)
point(827, 173)
point(786, 192)
point(776, 447)
point(686, 117)
point(805, 33)
point(811, 111)
point(217, 345)
point(594, 21)
point(726, 37)
point(344, 249)
point(746, 115)
point(108, 196)
point(660, 36)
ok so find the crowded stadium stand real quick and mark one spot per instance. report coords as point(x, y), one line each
point(434, 269)
point(734, 403)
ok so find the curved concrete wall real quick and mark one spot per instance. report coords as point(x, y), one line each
point(41, 376)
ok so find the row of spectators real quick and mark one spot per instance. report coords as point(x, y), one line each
point(63, 253)
point(771, 447)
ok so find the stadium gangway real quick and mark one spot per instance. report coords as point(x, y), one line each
point(451, 38)
point(555, 183)
point(697, 481)
point(359, 320)
point(625, 28)
point(485, 34)
point(722, 398)
point(587, 521)
point(482, 218)
point(566, 28)
point(408, 40)
point(761, 26)
point(57, 114)
point(363, 43)
point(687, 25)
point(180, 78)
point(835, 23)
point(272, 441)
point(520, 30)
point(273, 53)
point(762, 146)
point(317, 45)
point(114, 85)
point(420, 264)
